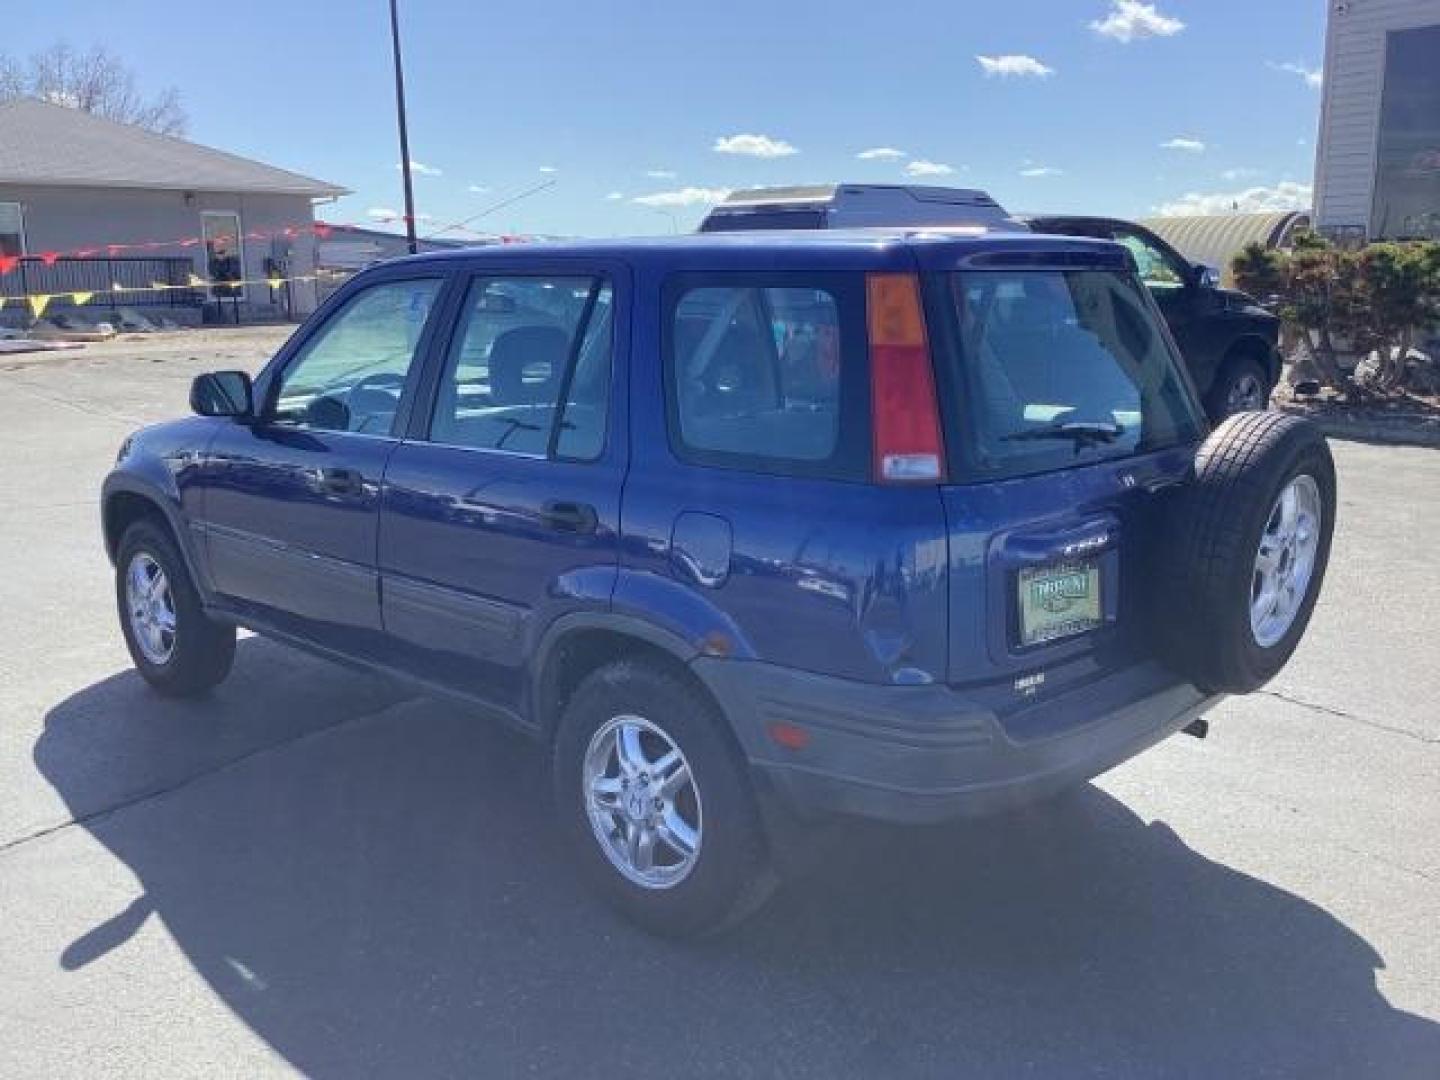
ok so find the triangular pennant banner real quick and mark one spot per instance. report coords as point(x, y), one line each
point(197, 282)
point(78, 298)
point(39, 303)
point(8, 263)
point(275, 282)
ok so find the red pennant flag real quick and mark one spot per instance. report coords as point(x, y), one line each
point(322, 231)
point(49, 257)
point(8, 263)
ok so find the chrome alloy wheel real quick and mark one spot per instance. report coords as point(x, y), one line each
point(152, 608)
point(1285, 560)
point(1247, 394)
point(642, 801)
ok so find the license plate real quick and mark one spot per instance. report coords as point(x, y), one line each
point(1059, 600)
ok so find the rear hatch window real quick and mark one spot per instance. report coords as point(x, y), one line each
point(761, 219)
point(1053, 369)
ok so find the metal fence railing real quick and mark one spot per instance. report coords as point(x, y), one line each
point(119, 281)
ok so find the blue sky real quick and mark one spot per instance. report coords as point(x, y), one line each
point(627, 101)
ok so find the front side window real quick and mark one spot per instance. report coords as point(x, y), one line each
point(350, 373)
point(529, 370)
point(758, 379)
point(12, 229)
point(1157, 270)
point(1058, 368)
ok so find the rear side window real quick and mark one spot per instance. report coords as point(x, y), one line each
point(768, 374)
point(529, 368)
point(1051, 369)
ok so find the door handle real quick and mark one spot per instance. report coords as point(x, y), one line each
point(337, 481)
point(574, 517)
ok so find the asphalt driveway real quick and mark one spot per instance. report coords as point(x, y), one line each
point(314, 871)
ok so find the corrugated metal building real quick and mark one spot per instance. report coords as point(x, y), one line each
point(1215, 239)
point(1377, 170)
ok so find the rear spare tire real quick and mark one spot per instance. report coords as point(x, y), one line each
point(1248, 541)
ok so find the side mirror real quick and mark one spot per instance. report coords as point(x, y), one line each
point(1207, 277)
point(222, 393)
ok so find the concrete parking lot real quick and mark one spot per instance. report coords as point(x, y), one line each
point(314, 871)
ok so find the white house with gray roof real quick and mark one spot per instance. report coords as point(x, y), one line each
point(88, 198)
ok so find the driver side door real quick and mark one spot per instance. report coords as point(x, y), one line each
point(291, 497)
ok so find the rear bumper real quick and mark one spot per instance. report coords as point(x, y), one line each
point(918, 754)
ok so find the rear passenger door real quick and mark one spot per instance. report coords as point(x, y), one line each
point(501, 509)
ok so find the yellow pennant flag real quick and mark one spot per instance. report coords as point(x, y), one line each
point(275, 282)
point(197, 282)
point(78, 298)
point(39, 303)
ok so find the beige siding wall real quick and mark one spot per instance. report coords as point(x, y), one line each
point(63, 219)
point(1350, 112)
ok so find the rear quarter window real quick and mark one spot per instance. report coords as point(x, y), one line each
point(767, 373)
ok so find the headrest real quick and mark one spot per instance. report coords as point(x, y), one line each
point(525, 364)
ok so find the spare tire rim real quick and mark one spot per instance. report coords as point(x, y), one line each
point(643, 805)
point(1285, 560)
point(151, 607)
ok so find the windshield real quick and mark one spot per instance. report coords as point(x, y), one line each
point(1050, 369)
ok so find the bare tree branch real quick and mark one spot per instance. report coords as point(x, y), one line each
point(95, 82)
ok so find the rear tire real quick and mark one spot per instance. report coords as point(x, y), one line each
point(661, 716)
point(1247, 545)
point(175, 646)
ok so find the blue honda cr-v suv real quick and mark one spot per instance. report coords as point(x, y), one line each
point(903, 525)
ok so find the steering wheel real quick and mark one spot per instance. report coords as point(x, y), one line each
point(374, 395)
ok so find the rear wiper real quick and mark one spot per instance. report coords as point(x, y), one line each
point(1081, 432)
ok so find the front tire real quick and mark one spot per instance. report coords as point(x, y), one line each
point(1241, 386)
point(175, 646)
point(655, 802)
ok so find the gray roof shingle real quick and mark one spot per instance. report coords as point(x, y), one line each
point(45, 144)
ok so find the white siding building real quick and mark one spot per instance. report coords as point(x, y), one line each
point(1377, 169)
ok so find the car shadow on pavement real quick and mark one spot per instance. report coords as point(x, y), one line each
point(384, 895)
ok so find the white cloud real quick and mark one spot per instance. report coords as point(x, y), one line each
point(1041, 170)
point(1313, 77)
point(921, 167)
point(1130, 20)
point(615, 196)
point(881, 153)
point(1286, 195)
point(660, 174)
point(548, 169)
point(1189, 146)
point(419, 168)
point(761, 146)
point(1241, 173)
point(1012, 64)
point(688, 196)
point(478, 189)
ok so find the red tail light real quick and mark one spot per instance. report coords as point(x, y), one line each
point(904, 415)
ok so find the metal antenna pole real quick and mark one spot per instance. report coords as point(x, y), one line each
point(404, 133)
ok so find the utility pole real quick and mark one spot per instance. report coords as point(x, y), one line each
point(404, 134)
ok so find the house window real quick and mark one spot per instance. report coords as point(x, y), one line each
point(224, 251)
point(12, 229)
point(1407, 180)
